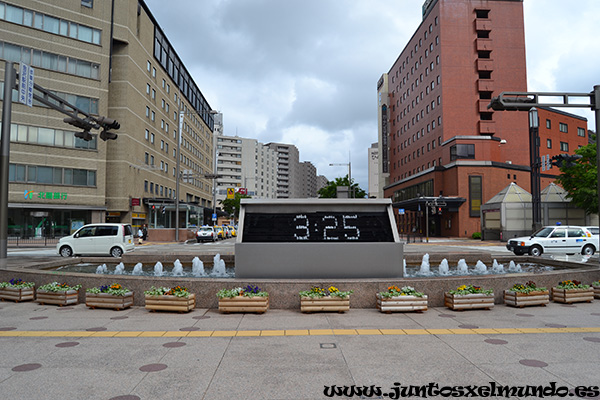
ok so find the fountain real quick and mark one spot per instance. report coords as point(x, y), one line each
point(177, 268)
point(514, 268)
point(497, 268)
point(425, 270)
point(218, 266)
point(120, 268)
point(158, 269)
point(198, 267)
point(463, 269)
point(137, 269)
point(102, 269)
point(444, 268)
point(480, 267)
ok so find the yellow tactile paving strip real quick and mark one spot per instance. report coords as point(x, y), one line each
point(299, 332)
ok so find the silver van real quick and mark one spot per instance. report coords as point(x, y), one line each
point(98, 239)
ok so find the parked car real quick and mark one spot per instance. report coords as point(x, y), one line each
point(227, 232)
point(98, 239)
point(206, 233)
point(220, 232)
point(556, 239)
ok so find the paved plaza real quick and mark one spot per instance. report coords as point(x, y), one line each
point(50, 352)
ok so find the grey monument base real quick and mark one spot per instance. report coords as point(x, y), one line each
point(318, 260)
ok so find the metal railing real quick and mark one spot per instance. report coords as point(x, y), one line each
point(412, 237)
point(32, 242)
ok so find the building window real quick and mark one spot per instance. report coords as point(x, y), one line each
point(581, 132)
point(87, 3)
point(145, 186)
point(564, 146)
point(475, 196)
point(462, 151)
point(549, 143)
point(563, 127)
point(548, 124)
point(146, 158)
point(152, 138)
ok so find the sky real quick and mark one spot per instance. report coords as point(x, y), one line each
point(305, 72)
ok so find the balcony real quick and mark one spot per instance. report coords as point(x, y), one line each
point(484, 64)
point(487, 127)
point(483, 44)
point(485, 85)
point(483, 25)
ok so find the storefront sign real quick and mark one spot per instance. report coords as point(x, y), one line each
point(135, 201)
point(30, 194)
point(138, 215)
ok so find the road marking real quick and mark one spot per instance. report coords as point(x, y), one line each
point(299, 332)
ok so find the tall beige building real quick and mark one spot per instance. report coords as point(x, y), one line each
point(108, 62)
point(288, 160)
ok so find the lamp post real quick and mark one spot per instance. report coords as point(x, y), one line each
point(349, 164)
point(178, 163)
point(534, 162)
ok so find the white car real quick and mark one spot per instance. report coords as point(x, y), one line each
point(556, 239)
point(98, 239)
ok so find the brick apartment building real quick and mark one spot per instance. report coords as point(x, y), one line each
point(437, 138)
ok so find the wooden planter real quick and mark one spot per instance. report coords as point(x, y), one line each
point(14, 294)
point(596, 292)
point(572, 295)
point(516, 299)
point(401, 303)
point(255, 304)
point(339, 304)
point(468, 301)
point(59, 298)
point(107, 300)
point(170, 303)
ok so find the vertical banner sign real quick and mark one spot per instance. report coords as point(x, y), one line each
point(384, 140)
point(26, 84)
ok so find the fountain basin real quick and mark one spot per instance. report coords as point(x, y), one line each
point(283, 293)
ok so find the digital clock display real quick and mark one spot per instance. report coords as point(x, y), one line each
point(318, 226)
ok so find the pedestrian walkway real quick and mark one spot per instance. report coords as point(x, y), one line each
point(49, 352)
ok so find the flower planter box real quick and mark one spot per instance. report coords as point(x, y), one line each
point(14, 294)
point(401, 303)
point(255, 304)
point(107, 300)
point(572, 295)
point(59, 298)
point(468, 301)
point(333, 303)
point(170, 303)
point(517, 299)
point(596, 292)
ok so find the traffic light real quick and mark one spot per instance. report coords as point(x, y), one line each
point(565, 160)
point(81, 124)
point(439, 210)
point(85, 135)
point(108, 124)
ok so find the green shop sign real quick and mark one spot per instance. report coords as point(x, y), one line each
point(30, 194)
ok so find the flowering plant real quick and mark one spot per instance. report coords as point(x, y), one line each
point(115, 289)
point(17, 283)
point(178, 291)
point(318, 292)
point(248, 291)
point(394, 291)
point(470, 289)
point(528, 287)
point(58, 287)
point(571, 284)
point(597, 283)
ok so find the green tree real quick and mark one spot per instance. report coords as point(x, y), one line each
point(581, 179)
point(232, 206)
point(330, 191)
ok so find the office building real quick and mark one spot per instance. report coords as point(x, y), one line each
point(120, 64)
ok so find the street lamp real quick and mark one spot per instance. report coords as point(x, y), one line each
point(534, 161)
point(178, 163)
point(349, 164)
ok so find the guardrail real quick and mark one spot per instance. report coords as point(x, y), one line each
point(412, 238)
point(32, 242)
